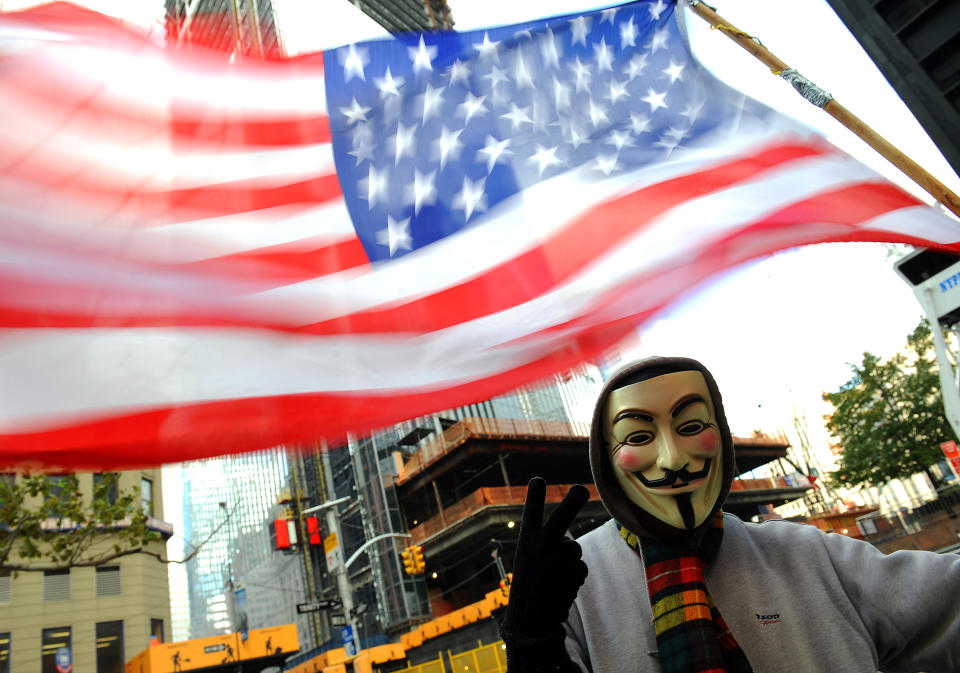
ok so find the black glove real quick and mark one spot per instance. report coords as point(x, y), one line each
point(547, 573)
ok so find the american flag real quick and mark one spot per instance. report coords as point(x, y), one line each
point(201, 257)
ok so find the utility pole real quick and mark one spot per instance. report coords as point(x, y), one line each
point(304, 547)
point(333, 525)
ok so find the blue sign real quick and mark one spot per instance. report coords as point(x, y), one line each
point(349, 646)
point(63, 660)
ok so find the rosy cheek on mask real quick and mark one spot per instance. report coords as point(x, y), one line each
point(709, 441)
point(628, 461)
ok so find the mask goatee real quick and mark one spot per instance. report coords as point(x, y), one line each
point(686, 510)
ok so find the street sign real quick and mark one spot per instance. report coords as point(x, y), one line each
point(316, 606)
point(338, 619)
point(953, 455)
point(349, 646)
point(63, 660)
point(331, 546)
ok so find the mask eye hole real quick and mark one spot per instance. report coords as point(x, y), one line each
point(693, 427)
point(639, 438)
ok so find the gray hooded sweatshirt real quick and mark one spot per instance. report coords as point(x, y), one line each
point(795, 598)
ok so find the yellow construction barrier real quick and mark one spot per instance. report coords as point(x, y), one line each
point(225, 650)
point(435, 666)
point(484, 659)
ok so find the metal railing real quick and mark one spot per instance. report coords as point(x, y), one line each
point(484, 659)
point(915, 517)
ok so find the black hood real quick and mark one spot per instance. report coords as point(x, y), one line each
point(614, 499)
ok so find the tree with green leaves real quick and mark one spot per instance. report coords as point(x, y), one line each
point(48, 523)
point(889, 416)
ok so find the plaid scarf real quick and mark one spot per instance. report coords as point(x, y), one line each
point(691, 635)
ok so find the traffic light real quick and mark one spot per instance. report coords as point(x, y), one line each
point(418, 563)
point(409, 565)
point(413, 560)
point(505, 584)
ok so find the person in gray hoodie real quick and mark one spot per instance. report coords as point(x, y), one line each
point(673, 585)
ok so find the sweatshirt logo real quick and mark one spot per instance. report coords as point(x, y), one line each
point(766, 620)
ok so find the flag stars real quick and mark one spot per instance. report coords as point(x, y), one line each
point(692, 111)
point(579, 27)
point(658, 40)
point(549, 51)
point(496, 76)
point(432, 101)
point(423, 191)
point(471, 197)
point(561, 95)
point(362, 147)
point(636, 66)
point(606, 164)
point(628, 34)
point(375, 185)
point(388, 85)
point(674, 71)
point(517, 116)
point(598, 114)
point(619, 139)
point(422, 56)
point(471, 106)
point(459, 71)
point(618, 90)
point(496, 152)
point(667, 143)
point(403, 142)
point(521, 75)
point(583, 75)
point(355, 112)
point(657, 9)
point(488, 49)
point(604, 55)
point(676, 134)
point(544, 158)
point(353, 61)
point(655, 100)
point(448, 146)
point(396, 236)
point(639, 123)
point(608, 15)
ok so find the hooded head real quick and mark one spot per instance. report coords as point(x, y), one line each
point(660, 448)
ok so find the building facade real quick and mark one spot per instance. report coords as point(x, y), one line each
point(93, 617)
point(226, 503)
point(373, 526)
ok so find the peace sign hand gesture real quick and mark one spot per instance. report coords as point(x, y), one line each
point(547, 570)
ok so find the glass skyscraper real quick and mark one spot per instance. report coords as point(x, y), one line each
point(236, 494)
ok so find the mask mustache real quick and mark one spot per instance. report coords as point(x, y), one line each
point(671, 477)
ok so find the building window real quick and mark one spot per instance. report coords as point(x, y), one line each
point(111, 493)
point(108, 581)
point(110, 647)
point(5, 652)
point(56, 648)
point(6, 588)
point(156, 630)
point(56, 484)
point(146, 496)
point(56, 585)
point(7, 480)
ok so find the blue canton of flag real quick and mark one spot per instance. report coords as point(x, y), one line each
point(431, 131)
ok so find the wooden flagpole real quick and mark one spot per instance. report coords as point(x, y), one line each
point(818, 97)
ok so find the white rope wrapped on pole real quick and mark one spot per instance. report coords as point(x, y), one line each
point(824, 100)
